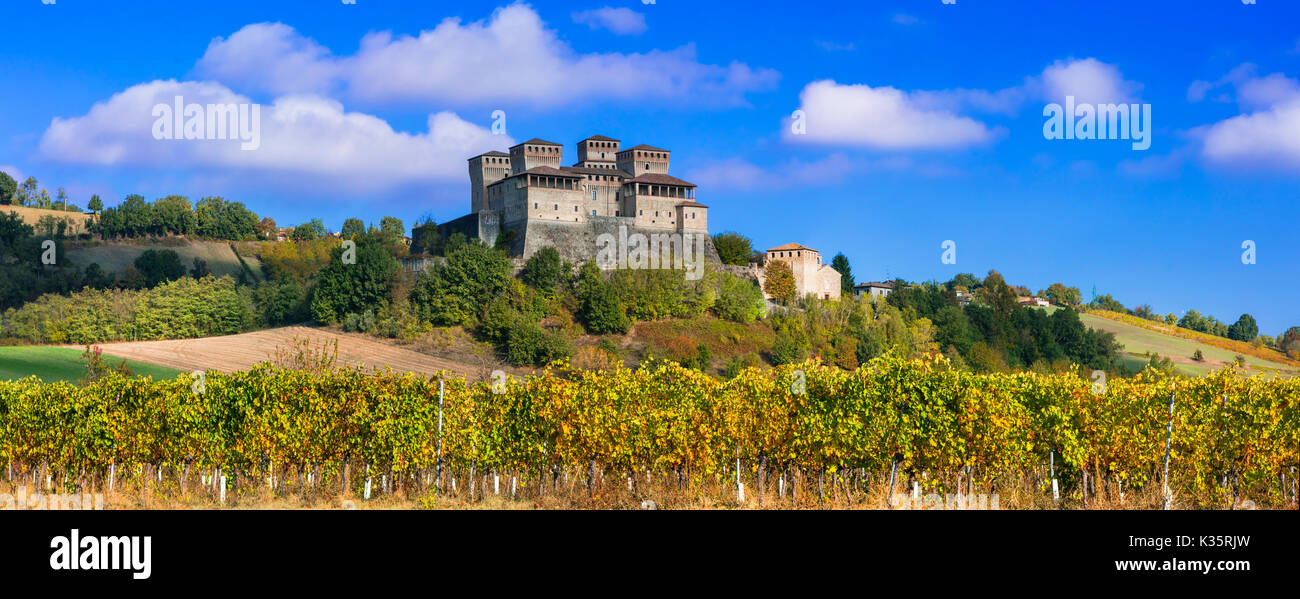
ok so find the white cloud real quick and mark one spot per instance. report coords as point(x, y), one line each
point(905, 19)
point(1089, 81)
point(1197, 90)
point(881, 118)
point(620, 21)
point(1265, 134)
point(511, 57)
point(269, 57)
point(300, 135)
point(1263, 92)
point(1265, 138)
point(888, 118)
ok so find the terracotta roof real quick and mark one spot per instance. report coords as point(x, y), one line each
point(594, 171)
point(644, 147)
point(492, 153)
point(691, 204)
point(659, 179)
point(535, 142)
point(880, 285)
point(548, 171)
point(599, 138)
point(789, 247)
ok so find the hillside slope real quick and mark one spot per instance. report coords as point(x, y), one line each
point(117, 256)
point(1137, 341)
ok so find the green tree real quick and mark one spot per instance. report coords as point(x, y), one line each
point(544, 270)
point(1244, 329)
point(733, 248)
point(425, 239)
point(13, 233)
point(455, 292)
point(1193, 320)
point(598, 307)
point(200, 269)
point(173, 214)
point(27, 193)
point(8, 187)
point(1106, 302)
point(159, 266)
point(841, 265)
point(353, 228)
point(998, 295)
point(1290, 340)
point(739, 300)
point(778, 281)
point(343, 288)
point(220, 219)
point(392, 228)
point(308, 231)
point(1061, 295)
point(137, 216)
point(95, 204)
point(965, 280)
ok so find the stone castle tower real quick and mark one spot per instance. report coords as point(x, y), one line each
point(528, 193)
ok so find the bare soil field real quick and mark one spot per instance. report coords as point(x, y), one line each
point(240, 352)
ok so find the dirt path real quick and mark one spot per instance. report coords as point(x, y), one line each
point(239, 352)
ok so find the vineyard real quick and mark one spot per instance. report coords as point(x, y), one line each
point(794, 435)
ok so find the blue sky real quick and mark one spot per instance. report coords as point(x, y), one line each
point(922, 122)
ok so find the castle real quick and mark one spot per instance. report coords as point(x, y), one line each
point(811, 276)
point(529, 196)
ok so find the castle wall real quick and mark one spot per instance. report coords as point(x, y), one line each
point(579, 243)
point(544, 203)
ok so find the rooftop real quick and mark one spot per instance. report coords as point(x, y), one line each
point(660, 179)
point(493, 153)
point(535, 142)
point(880, 285)
point(789, 247)
point(644, 147)
point(599, 138)
point(594, 171)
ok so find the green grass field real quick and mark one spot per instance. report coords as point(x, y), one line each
point(1138, 341)
point(63, 364)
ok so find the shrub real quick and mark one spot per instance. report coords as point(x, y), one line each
point(528, 344)
point(789, 347)
point(159, 266)
point(544, 270)
point(738, 300)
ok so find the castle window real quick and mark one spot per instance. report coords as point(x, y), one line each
point(534, 205)
point(575, 208)
point(593, 213)
point(557, 207)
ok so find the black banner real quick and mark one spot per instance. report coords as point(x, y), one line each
point(759, 550)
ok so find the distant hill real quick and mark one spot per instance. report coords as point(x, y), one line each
point(1160, 339)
